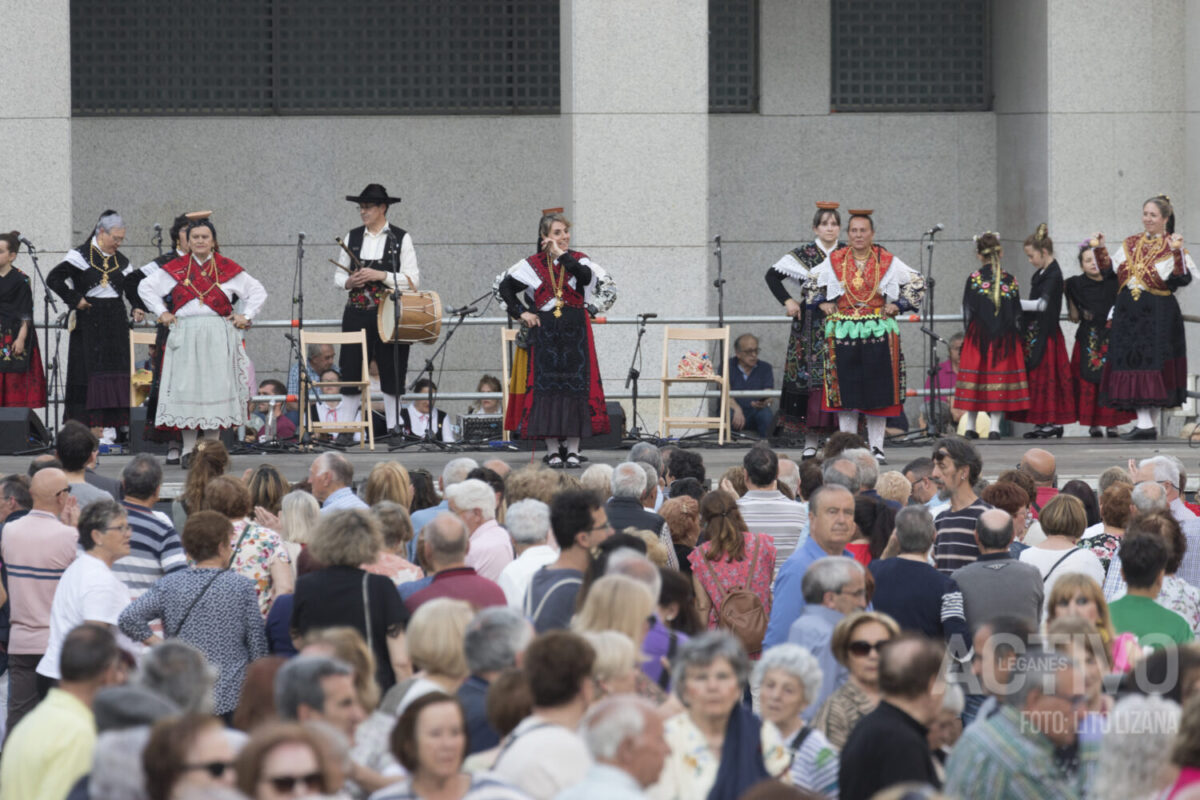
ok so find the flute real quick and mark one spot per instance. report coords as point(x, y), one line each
point(353, 258)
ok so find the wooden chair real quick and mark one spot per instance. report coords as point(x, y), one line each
point(508, 336)
point(136, 338)
point(667, 422)
point(308, 420)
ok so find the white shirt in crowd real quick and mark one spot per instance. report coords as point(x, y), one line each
point(88, 592)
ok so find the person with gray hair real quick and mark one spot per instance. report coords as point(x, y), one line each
point(786, 679)
point(446, 545)
point(92, 280)
point(842, 471)
point(455, 471)
point(648, 454)
point(318, 689)
point(179, 672)
point(331, 477)
point(868, 467)
point(528, 523)
point(320, 358)
point(155, 549)
point(625, 737)
point(493, 642)
point(1014, 752)
point(1151, 496)
point(909, 590)
point(474, 502)
point(1136, 749)
point(833, 587)
point(1165, 471)
point(624, 508)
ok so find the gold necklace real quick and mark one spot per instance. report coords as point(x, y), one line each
point(187, 278)
point(557, 287)
point(103, 266)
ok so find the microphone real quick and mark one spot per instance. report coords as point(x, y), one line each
point(935, 229)
point(464, 311)
point(303, 236)
point(26, 242)
point(929, 332)
point(648, 316)
point(157, 228)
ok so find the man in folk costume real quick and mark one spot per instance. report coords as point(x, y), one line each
point(205, 382)
point(91, 281)
point(380, 251)
point(861, 288)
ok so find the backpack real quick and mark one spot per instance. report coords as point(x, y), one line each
point(739, 610)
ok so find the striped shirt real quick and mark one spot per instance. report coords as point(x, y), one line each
point(343, 498)
point(955, 545)
point(154, 550)
point(769, 511)
point(815, 764)
point(37, 550)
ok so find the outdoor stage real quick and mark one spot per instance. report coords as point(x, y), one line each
point(1077, 458)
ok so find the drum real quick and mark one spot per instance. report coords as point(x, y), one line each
point(420, 318)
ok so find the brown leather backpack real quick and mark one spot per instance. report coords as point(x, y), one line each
point(739, 610)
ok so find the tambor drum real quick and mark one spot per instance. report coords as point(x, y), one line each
point(420, 318)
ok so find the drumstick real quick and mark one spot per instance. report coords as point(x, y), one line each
point(341, 267)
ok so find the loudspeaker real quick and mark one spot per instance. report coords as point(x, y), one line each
point(137, 427)
point(21, 430)
point(616, 430)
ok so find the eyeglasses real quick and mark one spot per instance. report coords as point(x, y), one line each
point(214, 768)
point(862, 649)
point(607, 526)
point(122, 528)
point(285, 784)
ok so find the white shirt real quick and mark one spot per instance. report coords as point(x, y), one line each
point(100, 291)
point(524, 272)
point(373, 247)
point(420, 422)
point(543, 759)
point(250, 292)
point(88, 591)
point(514, 579)
point(1074, 560)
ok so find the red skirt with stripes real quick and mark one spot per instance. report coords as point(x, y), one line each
point(986, 382)
point(1091, 413)
point(1051, 390)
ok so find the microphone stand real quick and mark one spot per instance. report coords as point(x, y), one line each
point(51, 361)
point(158, 240)
point(397, 430)
point(635, 433)
point(933, 423)
point(719, 285)
point(303, 435)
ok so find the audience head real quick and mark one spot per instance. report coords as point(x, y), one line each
point(1079, 489)
point(328, 473)
point(956, 464)
point(831, 518)
point(914, 529)
point(598, 478)
point(1077, 595)
point(787, 679)
point(14, 495)
point(318, 689)
point(388, 480)
point(842, 471)
point(1137, 746)
point(528, 522)
point(50, 491)
point(227, 495)
point(1147, 497)
point(993, 530)
point(1048, 689)
point(626, 733)
point(868, 467)
point(1113, 475)
point(1040, 465)
point(682, 515)
point(1144, 557)
point(256, 706)
point(209, 460)
point(646, 453)
point(910, 666)
point(789, 478)
point(1063, 516)
point(424, 490)
point(894, 486)
point(142, 477)
point(495, 639)
point(724, 525)
point(179, 672)
point(629, 481)
point(559, 666)
point(531, 482)
point(677, 603)
point(632, 564)
point(998, 643)
point(1115, 503)
point(919, 473)
point(456, 471)
point(445, 540)
point(435, 637)
point(762, 467)
point(686, 464)
point(395, 525)
point(509, 701)
point(281, 759)
point(76, 443)
point(185, 753)
point(91, 658)
point(347, 645)
point(840, 441)
point(709, 673)
point(1013, 500)
point(617, 603)
point(299, 513)
point(348, 537)
point(835, 582)
point(430, 738)
point(578, 520)
point(473, 501)
point(857, 640)
point(618, 662)
point(104, 529)
point(267, 488)
point(1162, 470)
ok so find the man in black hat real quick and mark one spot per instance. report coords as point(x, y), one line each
point(382, 250)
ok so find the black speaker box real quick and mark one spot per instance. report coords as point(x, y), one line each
point(21, 430)
point(616, 430)
point(137, 427)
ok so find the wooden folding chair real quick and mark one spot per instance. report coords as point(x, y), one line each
point(136, 338)
point(667, 422)
point(308, 420)
point(508, 336)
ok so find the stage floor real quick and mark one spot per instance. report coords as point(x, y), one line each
point(1082, 458)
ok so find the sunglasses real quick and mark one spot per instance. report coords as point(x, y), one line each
point(284, 784)
point(861, 648)
point(214, 768)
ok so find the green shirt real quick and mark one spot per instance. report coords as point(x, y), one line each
point(1151, 623)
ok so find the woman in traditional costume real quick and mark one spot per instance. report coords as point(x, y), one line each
point(91, 281)
point(22, 382)
point(559, 397)
point(1090, 297)
point(991, 370)
point(1051, 396)
point(1146, 367)
point(800, 411)
point(205, 382)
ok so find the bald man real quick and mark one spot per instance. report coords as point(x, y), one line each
point(37, 549)
point(1040, 465)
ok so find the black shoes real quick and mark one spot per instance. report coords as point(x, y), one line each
point(971, 433)
point(1137, 434)
point(1045, 432)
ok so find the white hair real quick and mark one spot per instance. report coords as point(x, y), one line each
point(651, 477)
point(456, 471)
point(528, 521)
point(632, 564)
point(299, 513)
point(1164, 468)
point(868, 467)
point(473, 494)
point(598, 478)
point(794, 660)
point(629, 480)
point(110, 222)
point(1136, 746)
point(610, 722)
point(789, 475)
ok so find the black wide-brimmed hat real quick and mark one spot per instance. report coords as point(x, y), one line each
point(374, 193)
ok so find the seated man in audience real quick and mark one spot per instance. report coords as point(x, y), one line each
point(545, 754)
point(915, 594)
point(268, 419)
point(528, 523)
point(1144, 557)
point(747, 373)
point(445, 545)
point(1030, 747)
point(833, 587)
point(495, 641)
point(956, 468)
point(474, 502)
point(580, 523)
point(996, 583)
point(890, 746)
point(51, 748)
point(625, 737)
point(767, 510)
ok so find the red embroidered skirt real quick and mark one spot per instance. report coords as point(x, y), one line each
point(1051, 390)
point(25, 389)
point(1091, 413)
point(986, 382)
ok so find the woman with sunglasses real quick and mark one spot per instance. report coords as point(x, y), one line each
point(286, 760)
point(187, 753)
point(855, 643)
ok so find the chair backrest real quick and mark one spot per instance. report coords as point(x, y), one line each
point(136, 338)
point(695, 335)
point(507, 337)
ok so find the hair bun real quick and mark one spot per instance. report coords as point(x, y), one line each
point(1042, 233)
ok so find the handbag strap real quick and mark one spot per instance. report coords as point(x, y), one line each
point(367, 612)
point(195, 600)
point(1070, 553)
point(721, 590)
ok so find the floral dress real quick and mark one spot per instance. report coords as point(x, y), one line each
point(253, 556)
point(734, 574)
point(1103, 545)
point(691, 769)
point(1182, 598)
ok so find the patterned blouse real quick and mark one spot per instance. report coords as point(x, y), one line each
point(224, 624)
point(842, 711)
point(1104, 545)
point(815, 764)
point(253, 558)
point(691, 769)
point(735, 574)
point(1182, 598)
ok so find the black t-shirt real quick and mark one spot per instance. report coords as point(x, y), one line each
point(333, 597)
